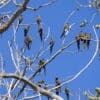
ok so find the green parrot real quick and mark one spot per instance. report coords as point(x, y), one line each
point(41, 64)
point(78, 41)
point(67, 92)
point(26, 30)
point(38, 20)
point(20, 19)
point(51, 43)
point(28, 41)
point(65, 29)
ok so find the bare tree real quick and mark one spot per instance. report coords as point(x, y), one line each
point(27, 68)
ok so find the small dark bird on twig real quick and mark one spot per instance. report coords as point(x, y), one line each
point(28, 41)
point(67, 92)
point(58, 83)
point(26, 30)
point(51, 43)
point(65, 29)
point(42, 64)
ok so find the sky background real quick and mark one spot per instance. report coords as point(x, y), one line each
point(66, 65)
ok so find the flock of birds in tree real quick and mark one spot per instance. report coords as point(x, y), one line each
point(82, 39)
point(43, 84)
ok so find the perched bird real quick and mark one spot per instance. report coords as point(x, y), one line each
point(28, 41)
point(20, 19)
point(40, 31)
point(67, 92)
point(58, 83)
point(88, 39)
point(65, 29)
point(51, 43)
point(28, 62)
point(82, 36)
point(42, 64)
point(26, 30)
point(84, 23)
point(40, 83)
point(38, 20)
point(78, 41)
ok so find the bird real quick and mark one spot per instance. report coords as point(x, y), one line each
point(40, 83)
point(20, 19)
point(58, 83)
point(42, 64)
point(88, 39)
point(65, 29)
point(28, 41)
point(38, 20)
point(67, 92)
point(82, 36)
point(78, 41)
point(26, 30)
point(51, 43)
point(84, 23)
point(40, 31)
point(28, 62)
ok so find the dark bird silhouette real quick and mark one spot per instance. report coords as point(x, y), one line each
point(78, 41)
point(28, 41)
point(82, 36)
point(88, 39)
point(51, 43)
point(58, 83)
point(67, 92)
point(42, 64)
point(40, 83)
point(26, 30)
point(38, 20)
point(40, 30)
point(65, 29)
point(20, 19)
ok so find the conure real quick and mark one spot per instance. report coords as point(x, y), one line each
point(67, 92)
point(42, 64)
point(65, 29)
point(38, 20)
point(28, 41)
point(40, 30)
point(58, 83)
point(51, 43)
point(26, 30)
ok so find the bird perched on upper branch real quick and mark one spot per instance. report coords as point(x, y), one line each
point(51, 43)
point(28, 41)
point(88, 39)
point(40, 31)
point(65, 29)
point(42, 64)
point(26, 30)
point(78, 41)
point(38, 20)
point(20, 19)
